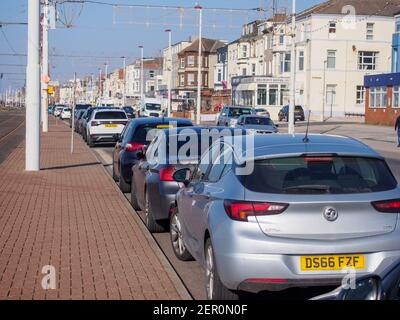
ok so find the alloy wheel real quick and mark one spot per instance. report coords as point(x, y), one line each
point(176, 235)
point(209, 272)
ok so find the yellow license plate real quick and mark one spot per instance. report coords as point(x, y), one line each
point(111, 125)
point(164, 126)
point(331, 263)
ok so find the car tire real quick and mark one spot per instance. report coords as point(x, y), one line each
point(123, 186)
point(215, 289)
point(152, 225)
point(134, 201)
point(175, 235)
point(90, 143)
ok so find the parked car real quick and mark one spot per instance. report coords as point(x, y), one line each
point(257, 124)
point(134, 138)
point(50, 109)
point(77, 108)
point(150, 107)
point(130, 112)
point(77, 118)
point(230, 114)
point(104, 124)
point(57, 110)
point(283, 114)
point(86, 118)
point(385, 286)
point(274, 227)
point(65, 113)
point(261, 112)
point(153, 188)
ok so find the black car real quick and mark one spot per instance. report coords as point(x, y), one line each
point(134, 138)
point(385, 286)
point(283, 114)
point(79, 107)
point(130, 112)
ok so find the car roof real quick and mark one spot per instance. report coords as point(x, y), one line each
point(199, 129)
point(286, 145)
point(161, 120)
point(245, 107)
point(254, 116)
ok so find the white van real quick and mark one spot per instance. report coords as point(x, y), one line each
point(150, 107)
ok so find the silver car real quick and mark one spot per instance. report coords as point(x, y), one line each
point(257, 124)
point(229, 115)
point(305, 214)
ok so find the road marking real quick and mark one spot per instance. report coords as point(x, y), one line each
point(12, 131)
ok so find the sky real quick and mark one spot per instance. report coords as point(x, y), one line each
point(105, 31)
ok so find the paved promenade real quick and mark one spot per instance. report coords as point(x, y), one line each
point(72, 217)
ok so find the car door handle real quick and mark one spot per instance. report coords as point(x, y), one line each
point(207, 195)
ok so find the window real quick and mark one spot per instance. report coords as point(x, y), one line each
point(370, 31)
point(182, 63)
point(360, 94)
point(331, 94)
point(331, 59)
point(190, 61)
point(244, 71)
point(378, 96)
point(220, 163)
point(395, 60)
point(219, 75)
point(273, 95)
point(333, 175)
point(244, 51)
point(190, 79)
point(262, 95)
point(397, 24)
point(332, 27)
point(182, 80)
point(301, 60)
point(151, 73)
point(253, 69)
point(367, 60)
point(282, 37)
point(285, 62)
point(396, 97)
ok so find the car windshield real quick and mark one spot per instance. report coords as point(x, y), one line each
point(320, 175)
point(110, 115)
point(298, 108)
point(259, 121)
point(153, 106)
point(237, 112)
point(128, 109)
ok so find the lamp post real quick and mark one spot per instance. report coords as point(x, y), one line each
point(199, 65)
point(141, 73)
point(32, 131)
point(292, 71)
point(124, 89)
point(45, 67)
point(169, 65)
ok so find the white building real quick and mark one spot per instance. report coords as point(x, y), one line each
point(334, 52)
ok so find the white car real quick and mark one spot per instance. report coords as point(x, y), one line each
point(104, 125)
point(57, 110)
point(65, 113)
point(150, 107)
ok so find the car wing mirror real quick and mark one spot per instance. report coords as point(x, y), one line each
point(182, 176)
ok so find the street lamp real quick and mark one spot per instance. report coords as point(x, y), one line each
point(124, 89)
point(199, 63)
point(292, 71)
point(141, 73)
point(169, 31)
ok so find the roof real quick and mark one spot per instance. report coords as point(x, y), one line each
point(155, 120)
point(208, 45)
point(362, 8)
point(284, 145)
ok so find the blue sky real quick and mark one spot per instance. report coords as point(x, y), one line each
point(104, 31)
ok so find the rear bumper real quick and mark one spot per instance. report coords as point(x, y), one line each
point(163, 198)
point(103, 138)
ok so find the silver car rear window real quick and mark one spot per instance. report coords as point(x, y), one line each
point(320, 175)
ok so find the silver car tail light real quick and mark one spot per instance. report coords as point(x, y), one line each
point(240, 210)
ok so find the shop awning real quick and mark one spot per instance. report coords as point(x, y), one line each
point(247, 87)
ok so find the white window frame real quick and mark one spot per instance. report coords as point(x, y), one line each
point(360, 94)
point(190, 61)
point(363, 65)
point(370, 31)
point(378, 97)
point(396, 97)
point(182, 80)
point(182, 63)
point(301, 60)
point(332, 27)
point(331, 56)
point(190, 79)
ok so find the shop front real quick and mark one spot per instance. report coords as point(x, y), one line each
point(261, 92)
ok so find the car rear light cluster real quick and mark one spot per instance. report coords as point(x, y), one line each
point(133, 146)
point(167, 173)
point(240, 210)
point(387, 206)
point(95, 123)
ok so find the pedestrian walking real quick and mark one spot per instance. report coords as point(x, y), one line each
point(397, 128)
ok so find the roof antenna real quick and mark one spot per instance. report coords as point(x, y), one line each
point(306, 139)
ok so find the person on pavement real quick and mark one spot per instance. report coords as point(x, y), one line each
point(397, 127)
